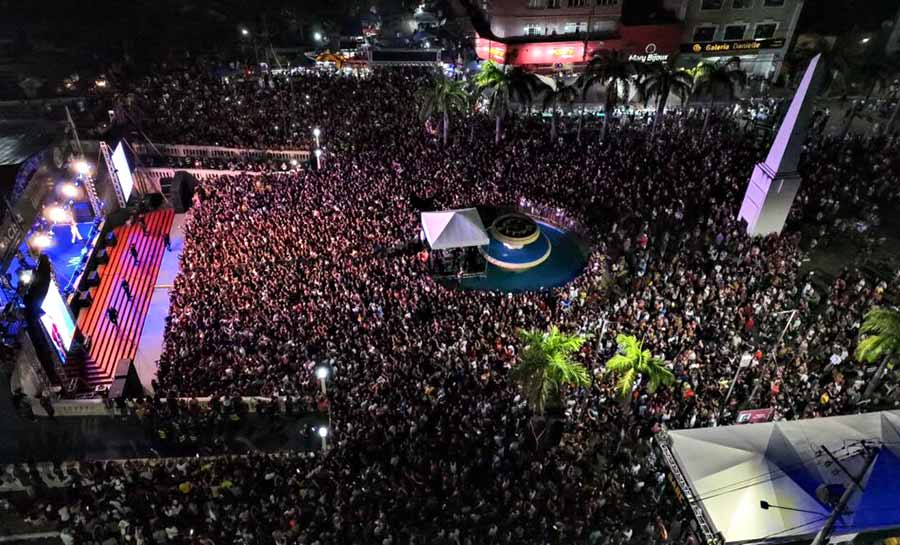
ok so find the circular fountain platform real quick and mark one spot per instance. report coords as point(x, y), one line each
point(517, 243)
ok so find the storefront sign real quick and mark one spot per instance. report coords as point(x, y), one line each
point(650, 55)
point(743, 46)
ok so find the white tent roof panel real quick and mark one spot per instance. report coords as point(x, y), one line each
point(731, 469)
point(454, 229)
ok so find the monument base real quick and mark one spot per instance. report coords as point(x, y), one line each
point(768, 200)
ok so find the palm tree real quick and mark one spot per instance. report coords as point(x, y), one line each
point(555, 97)
point(612, 71)
point(719, 80)
point(547, 367)
point(879, 341)
point(503, 86)
point(664, 80)
point(633, 360)
point(440, 98)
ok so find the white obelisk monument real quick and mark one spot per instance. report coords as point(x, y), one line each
point(775, 182)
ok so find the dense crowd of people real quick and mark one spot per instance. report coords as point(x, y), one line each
point(432, 443)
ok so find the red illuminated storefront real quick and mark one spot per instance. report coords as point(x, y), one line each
point(649, 43)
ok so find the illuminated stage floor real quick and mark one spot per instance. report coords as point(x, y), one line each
point(65, 256)
point(565, 263)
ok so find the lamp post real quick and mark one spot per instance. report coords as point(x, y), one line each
point(322, 374)
point(317, 133)
point(746, 360)
point(323, 433)
point(318, 159)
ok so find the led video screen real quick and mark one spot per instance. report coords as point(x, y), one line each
point(57, 321)
point(120, 163)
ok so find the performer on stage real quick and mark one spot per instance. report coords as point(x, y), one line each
point(76, 234)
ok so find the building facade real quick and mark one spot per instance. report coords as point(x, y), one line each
point(550, 18)
point(758, 32)
point(563, 35)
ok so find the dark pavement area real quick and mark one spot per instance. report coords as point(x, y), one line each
point(106, 437)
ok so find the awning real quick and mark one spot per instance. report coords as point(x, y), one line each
point(454, 229)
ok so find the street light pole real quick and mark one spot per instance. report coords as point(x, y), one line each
point(323, 433)
point(746, 359)
point(322, 374)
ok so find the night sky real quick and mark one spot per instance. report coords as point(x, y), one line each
point(839, 16)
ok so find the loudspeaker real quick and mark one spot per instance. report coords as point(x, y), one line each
point(126, 382)
point(153, 201)
point(84, 299)
point(183, 188)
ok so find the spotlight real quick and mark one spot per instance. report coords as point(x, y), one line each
point(57, 214)
point(245, 32)
point(865, 40)
point(26, 276)
point(318, 36)
point(323, 432)
point(70, 190)
point(317, 132)
point(82, 167)
point(321, 372)
point(41, 241)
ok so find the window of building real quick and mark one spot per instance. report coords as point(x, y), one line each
point(553, 4)
point(577, 3)
point(533, 29)
point(773, 3)
point(705, 34)
point(607, 2)
point(711, 4)
point(534, 4)
point(742, 4)
point(573, 27)
point(764, 31)
point(735, 32)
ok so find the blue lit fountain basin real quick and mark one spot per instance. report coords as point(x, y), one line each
point(524, 259)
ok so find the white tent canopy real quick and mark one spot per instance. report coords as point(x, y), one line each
point(454, 229)
point(731, 469)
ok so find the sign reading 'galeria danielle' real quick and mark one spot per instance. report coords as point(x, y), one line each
point(742, 46)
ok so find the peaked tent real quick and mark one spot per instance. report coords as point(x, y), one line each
point(454, 229)
point(730, 469)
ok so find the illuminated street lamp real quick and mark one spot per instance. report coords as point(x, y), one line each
point(322, 374)
point(317, 36)
point(318, 153)
point(245, 32)
point(865, 40)
point(317, 132)
point(323, 433)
